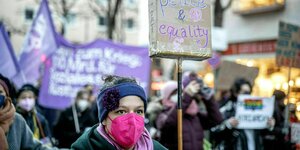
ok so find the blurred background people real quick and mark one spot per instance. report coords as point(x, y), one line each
point(26, 102)
point(275, 139)
point(74, 120)
point(194, 122)
point(14, 132)
point(226, 136)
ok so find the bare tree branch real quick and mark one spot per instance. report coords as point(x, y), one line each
point(97, 8)
point(228, 5)
point(71, 5)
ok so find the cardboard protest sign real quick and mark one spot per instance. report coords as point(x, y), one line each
point(253, 112)
point(288, 45)
point(295, 132)
point(229, 71)
point(180, 29)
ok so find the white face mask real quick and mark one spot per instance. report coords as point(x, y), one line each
point(27, 104)
point(174, 98)
point(82, 104)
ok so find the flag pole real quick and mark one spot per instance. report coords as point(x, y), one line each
point(179, 104)
point(287, 108)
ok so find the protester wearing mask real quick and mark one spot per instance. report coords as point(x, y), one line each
point(275, 139)
point(121, 106)
point(237, 139)
point(14, 132)
point(74, 120)
point(194, 122)
point(26, 99)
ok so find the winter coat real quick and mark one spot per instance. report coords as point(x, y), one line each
point(92, 140)
point(20, 136)
point(39, 122)
point(224, 137)
point(64, 130)
point(193, 126)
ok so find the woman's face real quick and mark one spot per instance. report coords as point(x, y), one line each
point(2, 91)
point(127, 104)
point(245, 89)
point(26, 95)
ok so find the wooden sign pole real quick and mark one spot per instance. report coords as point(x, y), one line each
point(179, 104)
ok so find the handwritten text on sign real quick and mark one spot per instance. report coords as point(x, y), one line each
point(288, 45)
point(253, 112)
point(180, 28)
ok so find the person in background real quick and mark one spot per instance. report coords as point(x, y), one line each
point(275, 139)
point(92, 99)
point(121, 105)
point(26, 101)
point(14, 132)
point(226, 136)
point(194, 121)
point(74, 120)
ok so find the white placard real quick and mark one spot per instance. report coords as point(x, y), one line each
point(253, 112)
point(295, 132)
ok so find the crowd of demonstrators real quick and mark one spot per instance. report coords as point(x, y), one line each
point(122, 104)
point(75, 120)
point(26, 102)
point(116, 118)
point(237, 139)
point(14, 132)
point(194, 121)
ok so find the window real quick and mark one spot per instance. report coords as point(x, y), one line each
point(71, 17)
point(102, 21)
point(246, 7)
point(29, 14)
point(130, 23)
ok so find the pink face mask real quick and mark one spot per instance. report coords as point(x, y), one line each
point(127, 129)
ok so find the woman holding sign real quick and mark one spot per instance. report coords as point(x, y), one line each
point(226, 135)
point(121, 110)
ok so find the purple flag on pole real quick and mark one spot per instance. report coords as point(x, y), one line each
point(40, 42)
point(72, 66)
point(9, 66)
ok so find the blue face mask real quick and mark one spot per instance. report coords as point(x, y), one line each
point(2, 100)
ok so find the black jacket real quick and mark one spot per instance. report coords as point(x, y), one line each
point(64, 130)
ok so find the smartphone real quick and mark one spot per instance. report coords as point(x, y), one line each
point(2, 100)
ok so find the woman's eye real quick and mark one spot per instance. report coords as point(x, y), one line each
point(140, 111)
point(120, 112)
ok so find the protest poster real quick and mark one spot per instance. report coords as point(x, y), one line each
point(295, 132)
point(180, 29)
point(288, 45)
point(253, 112)
point(73, 66)
point(229, 71)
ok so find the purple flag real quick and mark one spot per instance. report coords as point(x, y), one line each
point(73, 66)
point(9, 66)
point(40, 42)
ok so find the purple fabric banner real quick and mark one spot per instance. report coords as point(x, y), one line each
point(40, 42)
point(9, 66)
point(73, 66)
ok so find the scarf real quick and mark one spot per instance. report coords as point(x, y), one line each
point(144, 143)
point(7, 114)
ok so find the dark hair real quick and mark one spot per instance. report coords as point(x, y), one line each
point(279, 95)
point(27, 87)
point(11, 87)
point(80, 93)
point(237, 84)
point(112, 80)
